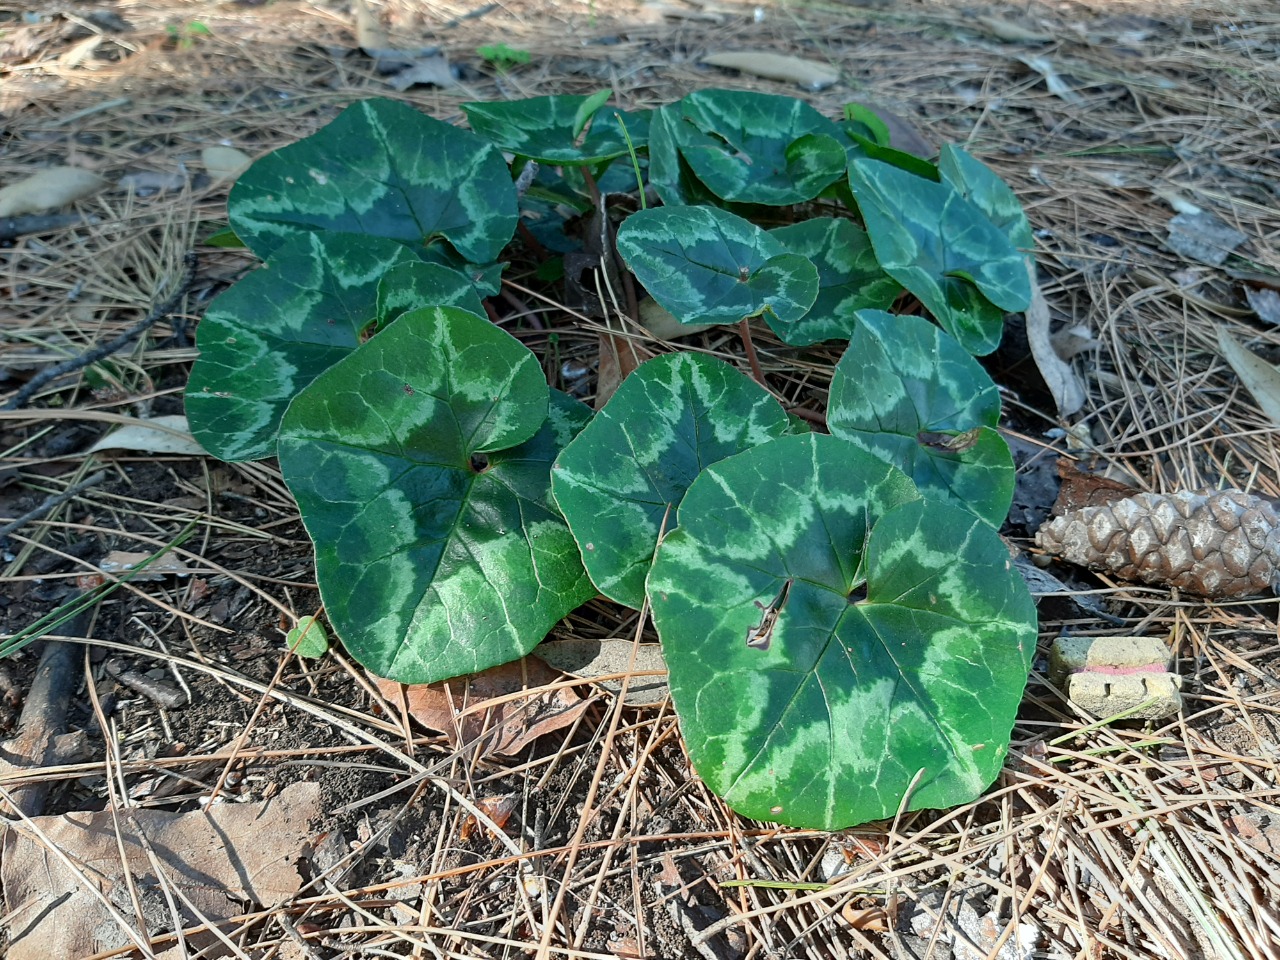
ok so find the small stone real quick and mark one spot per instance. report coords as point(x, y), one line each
point(1106, 676)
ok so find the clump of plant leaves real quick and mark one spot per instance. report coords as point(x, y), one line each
point(844, 630)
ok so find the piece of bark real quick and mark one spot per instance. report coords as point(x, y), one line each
point(42, 739)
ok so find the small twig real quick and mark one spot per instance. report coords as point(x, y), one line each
point(162, 694)
point(97, 353)
point(13, 227)
point(51, 503)
point(750, 348)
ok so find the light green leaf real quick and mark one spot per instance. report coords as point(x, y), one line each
point(381, 169)
point(909, 393)
point(421, 465)
point(548, 129)
point(849, 278)
point(268, 336)
point(706, 265)
point(624, 475)
point(800, 699)
point(308, 639)
point(756, 147)
point(940, 246)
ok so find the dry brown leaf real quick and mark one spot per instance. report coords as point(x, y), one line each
point(1080, 489)
point(220, 857)
point(1265, 303)
point(224, 163)
point(497, 809)
point(618, 357)
point(370, 35)
point(1063, 384)
point(1260, 378)
point(663, 324)
point(48, 190)
point(456, 707)
point(810, 74)
point(1011, 32)
point(122, 561)
point(165, 435)
point(875, 919)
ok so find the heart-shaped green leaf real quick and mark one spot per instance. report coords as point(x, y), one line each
point(849, 279)
point(422, 465)
point(418, 284)
point(800, 699)
point(548, 129)
point(910, 394)
point(934, 242)
point(268, 336)
point(381, 169)
point(623, 476)
point(979, 184)
point(705, 265)
point(758, 148)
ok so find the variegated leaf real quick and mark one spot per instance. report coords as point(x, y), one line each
point(268, 336)
point(849, 278)
point(623, 476)
point(834, 643)
point(550, 129)
point(381, 169)
point(942, 248)
point(421, 464)
point(706, 265)
point(907, 392)
point(758, 148)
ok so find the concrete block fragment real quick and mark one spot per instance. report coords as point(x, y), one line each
point(1110, 675)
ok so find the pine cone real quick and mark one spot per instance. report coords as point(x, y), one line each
point(1223, 544)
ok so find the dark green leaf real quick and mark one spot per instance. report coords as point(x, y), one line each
point(548, 129)
point(384, 170)
point(849, 278)
point(421, 465)
point(930, 239)
point(705, 265)
point(910, 394)
point(979, 184)
point(417, 284)
point(804, 702)
point(616, 482)
point(267, 337)
point(739, 145)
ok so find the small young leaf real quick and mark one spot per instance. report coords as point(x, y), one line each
point(936, 243)
point(415, 284)
point(706, 265)
point(800, 699)
point(421, 465)
point(849, 279)
point(547, 129)
point(616, 482)
point(308, 639)
point(381, 169)
point(268, 336)
point(909, 393)
point(739, 145)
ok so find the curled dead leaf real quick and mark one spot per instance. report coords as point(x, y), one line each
point(520, 713)
point(48, 190)
point(810, 74)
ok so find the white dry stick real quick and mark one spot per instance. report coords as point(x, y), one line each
point(1067, 390)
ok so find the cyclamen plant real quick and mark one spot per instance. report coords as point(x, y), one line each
point(844, 630)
